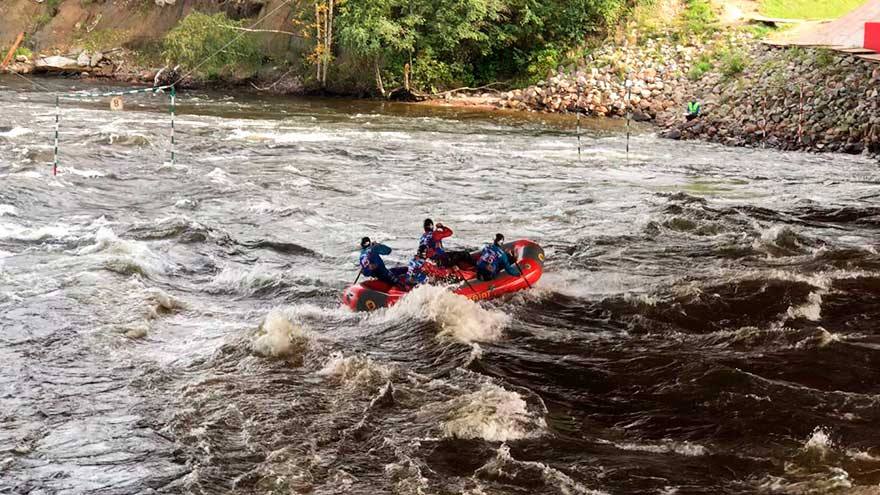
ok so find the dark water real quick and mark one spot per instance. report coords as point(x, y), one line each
point(708, 322)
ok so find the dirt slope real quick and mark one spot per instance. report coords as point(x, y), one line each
point(126, 22)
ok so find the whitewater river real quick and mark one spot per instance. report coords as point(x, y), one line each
point(707, 322)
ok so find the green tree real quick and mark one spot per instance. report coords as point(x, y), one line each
point(212, 45)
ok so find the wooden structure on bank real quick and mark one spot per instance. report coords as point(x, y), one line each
point(845, 34)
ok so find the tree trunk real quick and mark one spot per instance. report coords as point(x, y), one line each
point(328, 44)
point(318, 41)
point(379, 84)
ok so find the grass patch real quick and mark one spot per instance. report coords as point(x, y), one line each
point(825, 58)
point(700, 68)
point(24, 51)
point(808, 9)
point(102, 39)
point(732, 62)
point(699, 17)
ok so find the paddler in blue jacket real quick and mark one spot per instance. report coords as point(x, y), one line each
point(492, 258)
point(371, 262)
point(421, 270)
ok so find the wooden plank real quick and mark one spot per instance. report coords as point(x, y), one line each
point(12, 51)
point(772, 20)
point(871, 58)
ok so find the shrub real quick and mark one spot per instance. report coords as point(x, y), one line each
point(212, 45)
point(24, 51)
point(824, 58)
point(102, 39)
point(733, 62)
point(542, 63)
point(699, 70)
point(699, 18)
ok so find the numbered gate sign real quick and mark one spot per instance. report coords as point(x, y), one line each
point(116, 103)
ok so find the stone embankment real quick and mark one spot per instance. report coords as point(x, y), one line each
point(786, 98)
point(789, 98)
point(658, 70)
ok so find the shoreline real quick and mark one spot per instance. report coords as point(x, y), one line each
point(831, 116)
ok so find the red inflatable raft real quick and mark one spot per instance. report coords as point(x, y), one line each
point(375, 294)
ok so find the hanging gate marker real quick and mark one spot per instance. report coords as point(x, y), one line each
point(116, 104)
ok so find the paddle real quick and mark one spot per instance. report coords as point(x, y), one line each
point(521, 274)
point(458, 271)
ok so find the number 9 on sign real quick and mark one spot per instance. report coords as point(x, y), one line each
point(116, 103)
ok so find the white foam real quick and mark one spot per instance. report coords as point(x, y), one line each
point(282, 137)
point(811, 310)
point(682, 448)
point(246, 281)
point(122, 255)
point(823, 338)
point(356, 371)
point(91, 174)
point(280, 337)
point(491, 413)
point(29, 174)
point(459, 318)
point(504, 465)
point(16, 132)
point(8, 210)
point(219, 176)
point(819, 443)
point(22, 233)
point(779, 237)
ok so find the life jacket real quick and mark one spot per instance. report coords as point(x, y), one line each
point(414, 273)
point(490, 258)
point(693, 108)
point(433, 248)
point(371, 263)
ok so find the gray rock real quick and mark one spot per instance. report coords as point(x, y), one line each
point(96, 59)
point(83, 59)
point(56, 62)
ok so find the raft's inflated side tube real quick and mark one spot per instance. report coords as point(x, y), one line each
point(367, 296)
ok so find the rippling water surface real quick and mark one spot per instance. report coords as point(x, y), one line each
point(707, 322)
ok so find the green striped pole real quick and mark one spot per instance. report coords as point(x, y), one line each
point(57, 124)
point(173, 98)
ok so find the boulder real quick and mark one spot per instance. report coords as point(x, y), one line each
point(96, 59)
point(83, 60)
point(56, 62)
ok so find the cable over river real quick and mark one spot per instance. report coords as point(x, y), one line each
point(707, 322)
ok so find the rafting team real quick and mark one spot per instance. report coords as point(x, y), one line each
point(432, 263)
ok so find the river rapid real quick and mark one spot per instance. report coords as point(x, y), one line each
point(707, 322)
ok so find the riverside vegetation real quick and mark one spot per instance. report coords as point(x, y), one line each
point(568, 56)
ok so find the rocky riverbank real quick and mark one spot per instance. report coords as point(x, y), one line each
point(658, 70)
point(752, 94)
point(789, 98)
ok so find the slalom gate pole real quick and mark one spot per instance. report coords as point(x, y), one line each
point(578, 116)
point(628, 115)
point(173, 102)
point(57, 125)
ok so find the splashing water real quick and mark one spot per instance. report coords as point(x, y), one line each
point(458, 317)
